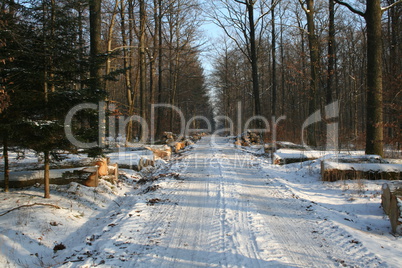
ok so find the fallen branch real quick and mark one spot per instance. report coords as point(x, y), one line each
point(30, 205)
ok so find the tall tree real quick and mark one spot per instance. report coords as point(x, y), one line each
point(309, 9)
point(374, 106)
point(253, 58)
point(273, 52)
point(331, 51)
point(95, 44)
point(243, 24)
point(7, 55)
point(159, 48)
point(142, 60)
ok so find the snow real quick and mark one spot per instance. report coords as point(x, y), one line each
point(212, 206)
point(36, 174)
point(308, 154)
point(364, 167)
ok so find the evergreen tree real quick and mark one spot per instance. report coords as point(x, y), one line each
point(42, 77)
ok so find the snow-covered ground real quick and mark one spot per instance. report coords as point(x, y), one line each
point(212, 206)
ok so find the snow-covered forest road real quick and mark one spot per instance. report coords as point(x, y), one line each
point(225, 210)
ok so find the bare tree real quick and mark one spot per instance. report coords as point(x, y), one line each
point(331, 51)
point(309, 9)
point(241, 26)
point(95, 43)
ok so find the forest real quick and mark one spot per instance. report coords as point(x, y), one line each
point(200, 133)
point(300, 56)
point(275, 58)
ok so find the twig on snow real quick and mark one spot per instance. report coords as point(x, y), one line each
point(30, 205)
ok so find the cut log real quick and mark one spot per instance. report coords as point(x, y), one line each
point(395, 216)
point(386, 198)
point(238, 142)
point(391, 202)
point(108, 172)
point(92, 180)
point(334, 171)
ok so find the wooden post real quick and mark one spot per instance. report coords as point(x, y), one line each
point(97, 176)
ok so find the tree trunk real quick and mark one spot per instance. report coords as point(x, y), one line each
point(254, 63)
point(274, 83)
point(283, 68)
point(6, 162)
point(127, 73)
point(374, 127)
point(46, 175)
point(314, 67)
point(95, 44)
point(109, 42)
point(142, 60)
point(160, 71)
point(331, 52)
point(81, 47)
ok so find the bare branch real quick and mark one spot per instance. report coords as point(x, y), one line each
point(303, 7)
point(391, 6)
point(235, 40)
point(30, 205)
point(268, 11)
point(358, 12)
point(240, 2)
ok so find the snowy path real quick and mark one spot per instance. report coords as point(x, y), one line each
point(225, 212)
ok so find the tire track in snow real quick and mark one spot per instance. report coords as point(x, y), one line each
point(238, 224)
point(334, 241)
point(196, 224)
point(292, 247)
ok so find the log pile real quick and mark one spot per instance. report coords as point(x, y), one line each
point(197, 136)
point(248, 138)
point(178, 143)
point(296, 158)
point(391, 201)
point(171, 138)
point(168, 137)
point(359, 168)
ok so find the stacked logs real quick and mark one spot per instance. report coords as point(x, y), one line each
point(248, 138)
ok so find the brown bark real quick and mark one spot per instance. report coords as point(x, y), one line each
point(331, 52)
point(314, 68)
point(127, 73)
point(109, 41)
point(273, 51)
point(95, 44)
point(160, 71)
point(254, 62)
point(142, 60)
point(374, 127)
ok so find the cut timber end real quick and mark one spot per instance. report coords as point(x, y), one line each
point(395, 214)
point(391, 203)
point(386, 198)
